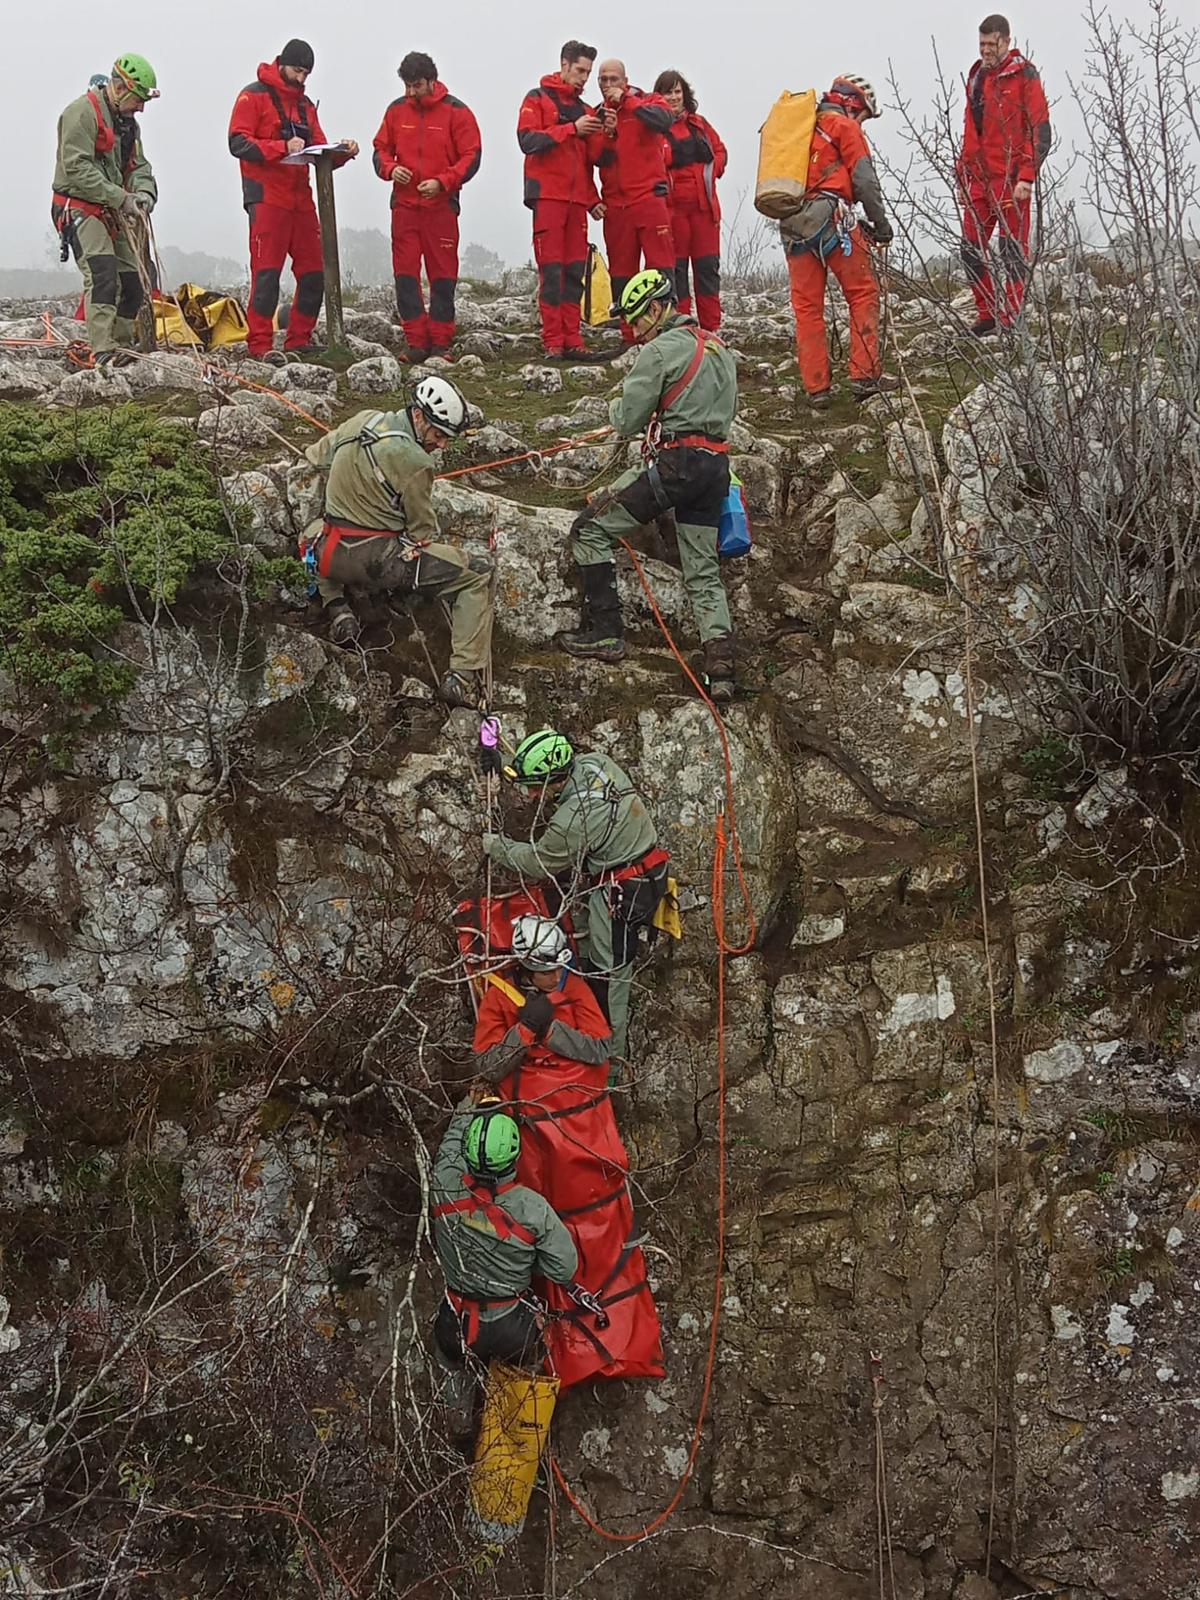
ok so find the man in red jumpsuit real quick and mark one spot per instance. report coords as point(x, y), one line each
point(825, 236)
point(1006, 137)
point(427, 147)
point(633, 180)
point(273, 118)
point(559, 137)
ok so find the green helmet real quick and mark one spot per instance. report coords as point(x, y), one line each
point(135, 74)
point(541, 756)
point(641, 292)
point(491, 1144)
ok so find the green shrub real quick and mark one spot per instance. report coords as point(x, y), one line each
point(95, 507)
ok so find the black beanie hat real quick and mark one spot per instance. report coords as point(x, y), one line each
point(297, 53)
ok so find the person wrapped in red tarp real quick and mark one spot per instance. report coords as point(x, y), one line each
point(543, 1041)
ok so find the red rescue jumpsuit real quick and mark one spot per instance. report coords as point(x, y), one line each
point(433, 137)
point(1006, 137)
point(560, 192)
point(278, 199)
point(841, 166)
point(633, 183)
point(696, 158)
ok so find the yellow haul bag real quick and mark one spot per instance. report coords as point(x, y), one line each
point(597, 289)
point(513, 1430)
point(784, 151)
point(200, 318)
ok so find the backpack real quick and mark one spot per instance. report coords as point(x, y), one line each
point(784, 151)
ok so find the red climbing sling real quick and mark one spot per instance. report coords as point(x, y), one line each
point(480, 1199)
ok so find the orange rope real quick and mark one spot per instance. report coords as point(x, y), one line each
point(529, 455)
point(211, 374)
point(724, 950)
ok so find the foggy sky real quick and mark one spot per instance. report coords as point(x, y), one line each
point(739, 56)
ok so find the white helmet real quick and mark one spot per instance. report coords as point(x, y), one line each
point(442, 404)
point(540, 944)
point(862, 87)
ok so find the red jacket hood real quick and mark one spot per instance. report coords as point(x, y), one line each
point(270, 74)
point(1014, 61)
point(435, 97)
point(557, 84)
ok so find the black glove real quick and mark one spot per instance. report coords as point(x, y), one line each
point(882, 232)
point(537, 1014)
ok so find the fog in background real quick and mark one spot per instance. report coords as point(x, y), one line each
point(738, 57)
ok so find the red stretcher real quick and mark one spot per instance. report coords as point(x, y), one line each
point(572, 1153)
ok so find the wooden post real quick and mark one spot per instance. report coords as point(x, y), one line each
point(144, 326)
point(327, 212)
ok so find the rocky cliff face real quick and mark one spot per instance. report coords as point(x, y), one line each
point(234, 1021)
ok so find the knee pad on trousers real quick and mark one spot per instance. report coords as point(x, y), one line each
point(129, 300)
point(104, 279)
point(573, 275)
point(1016, 268)
point(441, 299)
point(310, 291)
point(972, 259)
point(708, 275)
point(265, 296)
point(552, 283)
point(408, 298)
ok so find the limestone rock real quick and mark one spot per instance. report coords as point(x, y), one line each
point(23, 379)
point(92, 384)
point(381, 374)
point(544, 380)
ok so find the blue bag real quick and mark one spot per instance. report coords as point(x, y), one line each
point(733, 531)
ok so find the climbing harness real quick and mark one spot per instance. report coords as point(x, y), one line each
point(653, 440)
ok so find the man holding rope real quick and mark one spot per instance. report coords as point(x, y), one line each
point(380, 532)
point(103, 182)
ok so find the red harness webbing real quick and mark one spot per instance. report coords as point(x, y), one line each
point(333, 532)
point(655, 857)
point(481, 1198)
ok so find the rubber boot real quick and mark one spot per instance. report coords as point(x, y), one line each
point(344, 626)
point(602, 633)
point(458, 1397)
point(718, 669)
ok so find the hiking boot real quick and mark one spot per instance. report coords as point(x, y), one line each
point(868, 388)
point(719, 677)
point(344, 626)
point(600, 633)
point(463, 689)
point(982, 326)
point(597, 643)
point(821, 401)
point(417, 355)
point(273, 358)
point(554, 355)
point(115, 358)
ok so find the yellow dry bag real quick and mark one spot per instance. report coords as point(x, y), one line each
point(513, 1430)
point(597, 289)
point(200, 318)
point(784, 151)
